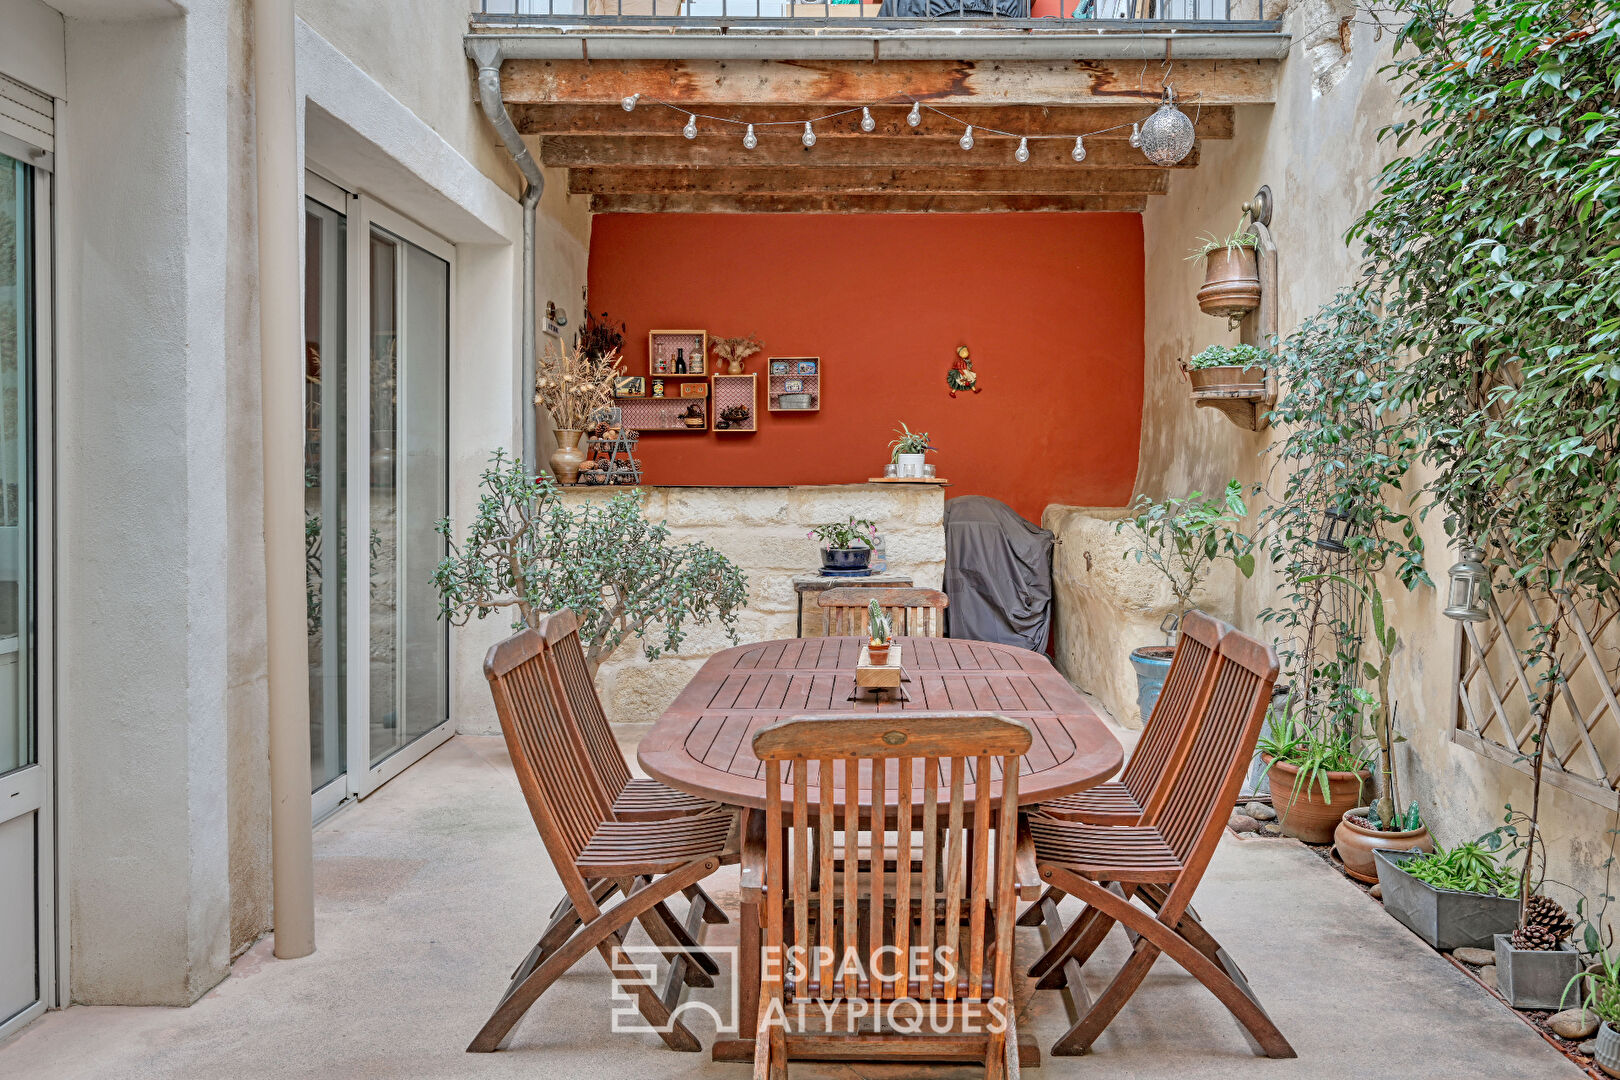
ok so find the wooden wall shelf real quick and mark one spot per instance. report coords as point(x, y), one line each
point(662, 346)
point(731, 391)
point(805, 371)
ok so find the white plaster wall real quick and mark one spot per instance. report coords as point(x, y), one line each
point(33, 49)
point(142, 505)
point(763, 531)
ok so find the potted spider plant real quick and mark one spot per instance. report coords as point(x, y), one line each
point(908, 452)
point(846, 546)
point(879, 632)
point(1450, 897)
point(1231, 274)
point(1316, 774)
point(1601, 983)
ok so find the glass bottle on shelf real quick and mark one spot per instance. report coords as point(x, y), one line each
point(658, 388)
point(680, 361)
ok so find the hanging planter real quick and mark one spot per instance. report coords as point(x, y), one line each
point(1231, 275)
point(1233, 379)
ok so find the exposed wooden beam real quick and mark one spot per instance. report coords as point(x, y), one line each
point(853, 82)
point(833, 180)
point(1213, 122)
point(708, 203)
point(584, 151)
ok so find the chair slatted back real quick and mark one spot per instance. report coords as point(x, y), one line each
point(918, 768)
point(563, 792)
point(1164, 734)
point(567, 656)
point(1205, 788)
point(911, 612)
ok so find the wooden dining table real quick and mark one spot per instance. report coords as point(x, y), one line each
point(702, 742)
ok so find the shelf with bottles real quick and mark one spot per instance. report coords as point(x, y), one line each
point(793, 384)
point(678, 352)
point(736, 403)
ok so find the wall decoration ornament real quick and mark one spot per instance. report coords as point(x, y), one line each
point(1167, 135)
point(961, 375)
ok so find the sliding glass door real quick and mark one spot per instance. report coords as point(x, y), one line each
point(376, 476)
point(26, 838)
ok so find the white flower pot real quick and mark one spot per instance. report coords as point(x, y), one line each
point(910, 465)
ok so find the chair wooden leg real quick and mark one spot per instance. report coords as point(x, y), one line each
point(1078, 942)
point(1157, 937)
point(1001, 1050)
point(1033, 915)
point(770, 1042)
point(563, 920)
point(713, 914)
point(602, 933)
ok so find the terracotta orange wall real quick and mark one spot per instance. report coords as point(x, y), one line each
point(1051, 306)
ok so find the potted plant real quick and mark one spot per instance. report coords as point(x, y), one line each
point(846, 545)
point(1182, 539)
point(1381, 825)
point(908, 451)
point(1231, 274)
point(879, 634)
point(1602, 985)
point(1316, 774)
point(1229, 369)
point(572, 384)
point(1450, 898)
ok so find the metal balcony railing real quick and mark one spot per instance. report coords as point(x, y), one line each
point(1090, 15)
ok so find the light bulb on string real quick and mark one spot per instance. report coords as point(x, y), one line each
point(1021, 154)
point(629, 103)
point(867, 123)
point(690, 130)
point(1079, 151)
point(809, 136)
point(966, 142)
point(914, 117)
point(749, 141)
point(1136, 134)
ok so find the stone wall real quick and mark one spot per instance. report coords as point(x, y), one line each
point(763, 531)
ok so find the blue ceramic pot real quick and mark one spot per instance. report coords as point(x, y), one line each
point(1152, 664)
point(854, 558)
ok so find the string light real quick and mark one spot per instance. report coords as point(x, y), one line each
point(690, 130)
point(1079, 151)
point(966, 141)
point(867, 123)
point(1021, 154)
point(749, 141)
point(809, 136)
point(914, 117)
point(1136, 135)
point(629, 103)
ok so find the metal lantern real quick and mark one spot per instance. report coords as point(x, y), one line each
point(1335, 531)
point(1470, 597)
point(1167, 135)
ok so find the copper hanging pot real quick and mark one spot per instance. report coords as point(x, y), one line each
point(1231, 282)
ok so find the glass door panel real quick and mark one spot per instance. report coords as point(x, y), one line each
point(325, 487)
point(408, 324)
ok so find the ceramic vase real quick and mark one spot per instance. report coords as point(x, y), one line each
point(568, 457)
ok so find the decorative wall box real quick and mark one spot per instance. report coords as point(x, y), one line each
point(664, 345)
point(694, 389)
point(802, 371)
point(663, 414)
point(735, 392)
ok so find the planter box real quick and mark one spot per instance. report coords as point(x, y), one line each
point(1445, 919)
point(1536, 978)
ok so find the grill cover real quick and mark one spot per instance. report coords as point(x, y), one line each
point(998, 574)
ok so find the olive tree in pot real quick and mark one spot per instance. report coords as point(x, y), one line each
point(1182, 539)
point(622, 575)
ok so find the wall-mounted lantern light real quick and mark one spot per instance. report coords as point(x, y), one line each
point(1470, 596)
point(1335, 531)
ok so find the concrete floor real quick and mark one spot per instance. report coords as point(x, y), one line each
point(433, 889)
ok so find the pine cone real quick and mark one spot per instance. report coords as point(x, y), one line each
point(1546, 924)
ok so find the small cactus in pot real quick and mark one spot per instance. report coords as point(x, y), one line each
point(879, 634)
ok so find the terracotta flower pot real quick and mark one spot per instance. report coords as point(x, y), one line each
point(1303, 814)
point(878, 654)
point(1231, 282)
point(1354, 840)
point(568, 457)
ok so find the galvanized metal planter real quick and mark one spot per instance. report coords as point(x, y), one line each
point(1445, 919)
point(1536, 978)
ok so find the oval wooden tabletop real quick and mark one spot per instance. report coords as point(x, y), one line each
point(701, 744)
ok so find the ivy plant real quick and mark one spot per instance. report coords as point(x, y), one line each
point(622, 575)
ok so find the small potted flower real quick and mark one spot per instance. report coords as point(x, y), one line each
point(846, 545)
point(879, 635)
point(908, 451)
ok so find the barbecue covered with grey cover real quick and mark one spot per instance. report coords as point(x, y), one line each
point(998, 574)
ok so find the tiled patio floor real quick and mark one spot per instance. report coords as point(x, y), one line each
point(430, 892)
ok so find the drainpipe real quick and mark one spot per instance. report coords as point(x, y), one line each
point(488, 56)
point(281, 373)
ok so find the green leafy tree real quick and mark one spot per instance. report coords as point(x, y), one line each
point(622, 575)
point(1183, 539)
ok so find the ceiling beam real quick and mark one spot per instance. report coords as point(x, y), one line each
point(852, 82)
point(709, 203)
point(1015, 179)
point(1214, 122)
point(585, 151)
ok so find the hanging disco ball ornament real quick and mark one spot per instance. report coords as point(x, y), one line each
point(1167, 135)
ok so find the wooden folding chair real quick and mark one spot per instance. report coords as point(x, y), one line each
point(1162, 860)
point(911, 612)
point(1164, 739)
point(907, 935)
point(596, 855)
point(635, 798)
